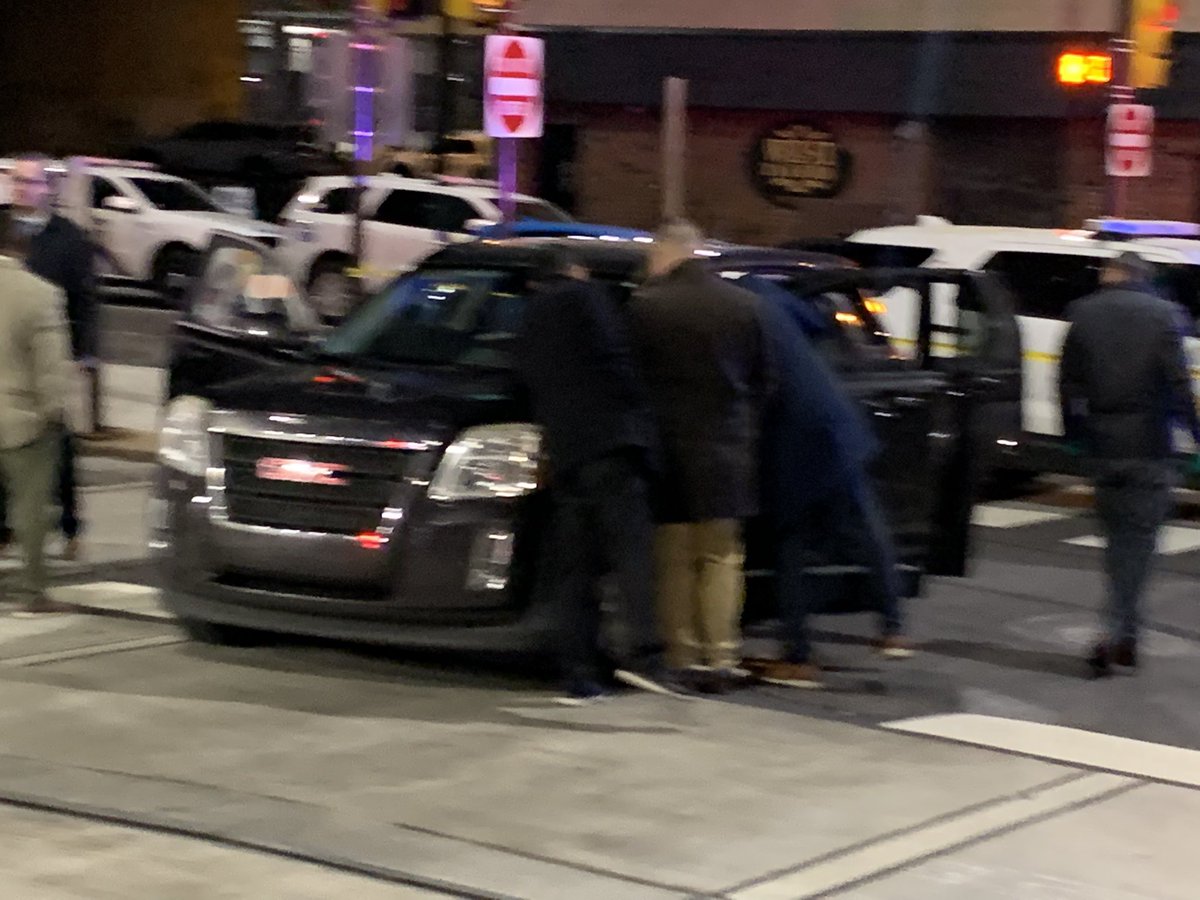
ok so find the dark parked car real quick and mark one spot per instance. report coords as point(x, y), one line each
point(273, 159)
point(380, 484)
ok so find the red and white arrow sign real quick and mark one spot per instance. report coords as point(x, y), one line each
point(1130, 140)
point(513, 75)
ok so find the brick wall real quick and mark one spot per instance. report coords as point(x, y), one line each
point(618, 174)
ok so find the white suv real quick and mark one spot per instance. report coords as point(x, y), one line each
point(405, 219)
point(1046, 270)
point(150, 227)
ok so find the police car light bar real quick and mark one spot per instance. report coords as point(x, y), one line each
point(1144, 228)
point(103, 162)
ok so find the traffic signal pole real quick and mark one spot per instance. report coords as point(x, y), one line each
point(1121, 91)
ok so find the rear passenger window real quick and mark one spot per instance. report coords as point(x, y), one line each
point(338, 202)
point(888, 256)
point(1043, 285)
point(420, 209)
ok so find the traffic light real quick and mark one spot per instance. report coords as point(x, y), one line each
point(1151, 31)
point(1085, 68)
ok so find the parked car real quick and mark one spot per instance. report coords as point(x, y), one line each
point(1045, 270)
point(382, 485)
point(406, 219)
point(148, 227)
point(466, 154)
point(272, 159)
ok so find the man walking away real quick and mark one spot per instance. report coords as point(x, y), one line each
point(61, 254)
point(33, 383)
point(1125, 383)
point(575, 357)
point(818, 498)
point(701, 344)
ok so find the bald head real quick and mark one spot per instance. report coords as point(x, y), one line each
point(676, 242)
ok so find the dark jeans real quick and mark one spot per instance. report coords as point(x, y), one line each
point(69, 522)
point(1133, 500)
point(848, 528)
point(601, 526)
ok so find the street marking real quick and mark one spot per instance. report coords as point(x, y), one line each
point(1172, 540)
point(1056, 743)
point(37, 659)
point(114, 596)
point(990, 515)
point(892, 853)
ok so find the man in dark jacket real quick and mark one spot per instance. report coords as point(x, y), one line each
point(1125, 383)
point(61, 254)
point(818, 498)
point(701, 345)
point(576, 361)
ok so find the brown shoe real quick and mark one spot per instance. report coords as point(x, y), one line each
point(71, 549)
point(799, 675)
point(895, 647)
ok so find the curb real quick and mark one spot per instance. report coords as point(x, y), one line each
point(119, 443)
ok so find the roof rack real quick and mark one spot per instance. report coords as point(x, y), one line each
point(1143, 228)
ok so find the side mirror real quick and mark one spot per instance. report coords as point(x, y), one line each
point(121, 204)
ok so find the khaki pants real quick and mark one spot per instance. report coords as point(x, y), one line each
point(701, 589)
point(29, 474)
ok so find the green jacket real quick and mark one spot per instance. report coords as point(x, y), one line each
point(34, 355)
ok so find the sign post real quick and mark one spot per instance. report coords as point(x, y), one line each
point(674, 148)
point(513, 103)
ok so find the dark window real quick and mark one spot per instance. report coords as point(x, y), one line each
point(338, 202)
point(1181, 284)
point(455, 145)
point(1045, 284)
point(175, 195)
point(420, 209)
point(875, 256)
point(102, 189)
point(465, 318)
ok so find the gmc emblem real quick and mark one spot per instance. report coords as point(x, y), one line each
point(300, 471)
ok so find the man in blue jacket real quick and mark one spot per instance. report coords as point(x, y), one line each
point(818, 495)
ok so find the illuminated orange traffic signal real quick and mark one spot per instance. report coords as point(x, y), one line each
point(1085, 68)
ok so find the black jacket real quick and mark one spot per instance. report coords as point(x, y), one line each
point(1125, 378)
point(576, 361)
point(706, 361)
point(62, 254)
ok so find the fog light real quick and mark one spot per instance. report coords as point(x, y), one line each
point(491, 557)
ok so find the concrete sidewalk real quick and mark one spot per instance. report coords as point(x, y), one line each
point(131, 398)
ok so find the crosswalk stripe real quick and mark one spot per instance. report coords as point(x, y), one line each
point(1172, 541)
point(993, 515)
point(138, 600)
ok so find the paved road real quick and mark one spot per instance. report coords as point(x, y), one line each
point(986, 767)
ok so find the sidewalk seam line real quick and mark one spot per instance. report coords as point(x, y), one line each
point(994, 833)
point(916, 828)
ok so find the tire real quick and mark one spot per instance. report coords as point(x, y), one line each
point(220, 635)
point(331, 292)
point(174, 260)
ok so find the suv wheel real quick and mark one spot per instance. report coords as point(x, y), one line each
point(220, 635)
point(331, 291)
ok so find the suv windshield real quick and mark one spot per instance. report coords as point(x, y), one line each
point(175, 196)
point(446, 318)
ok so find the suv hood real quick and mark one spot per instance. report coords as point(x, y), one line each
point(227, 222)
point(426, 403)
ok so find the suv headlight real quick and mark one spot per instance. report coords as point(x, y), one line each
point(183, 437)
point(489, 461)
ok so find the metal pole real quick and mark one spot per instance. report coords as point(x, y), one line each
point(447, 108)
point(1121, 92)
point(363, 53)
point(674, 148)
